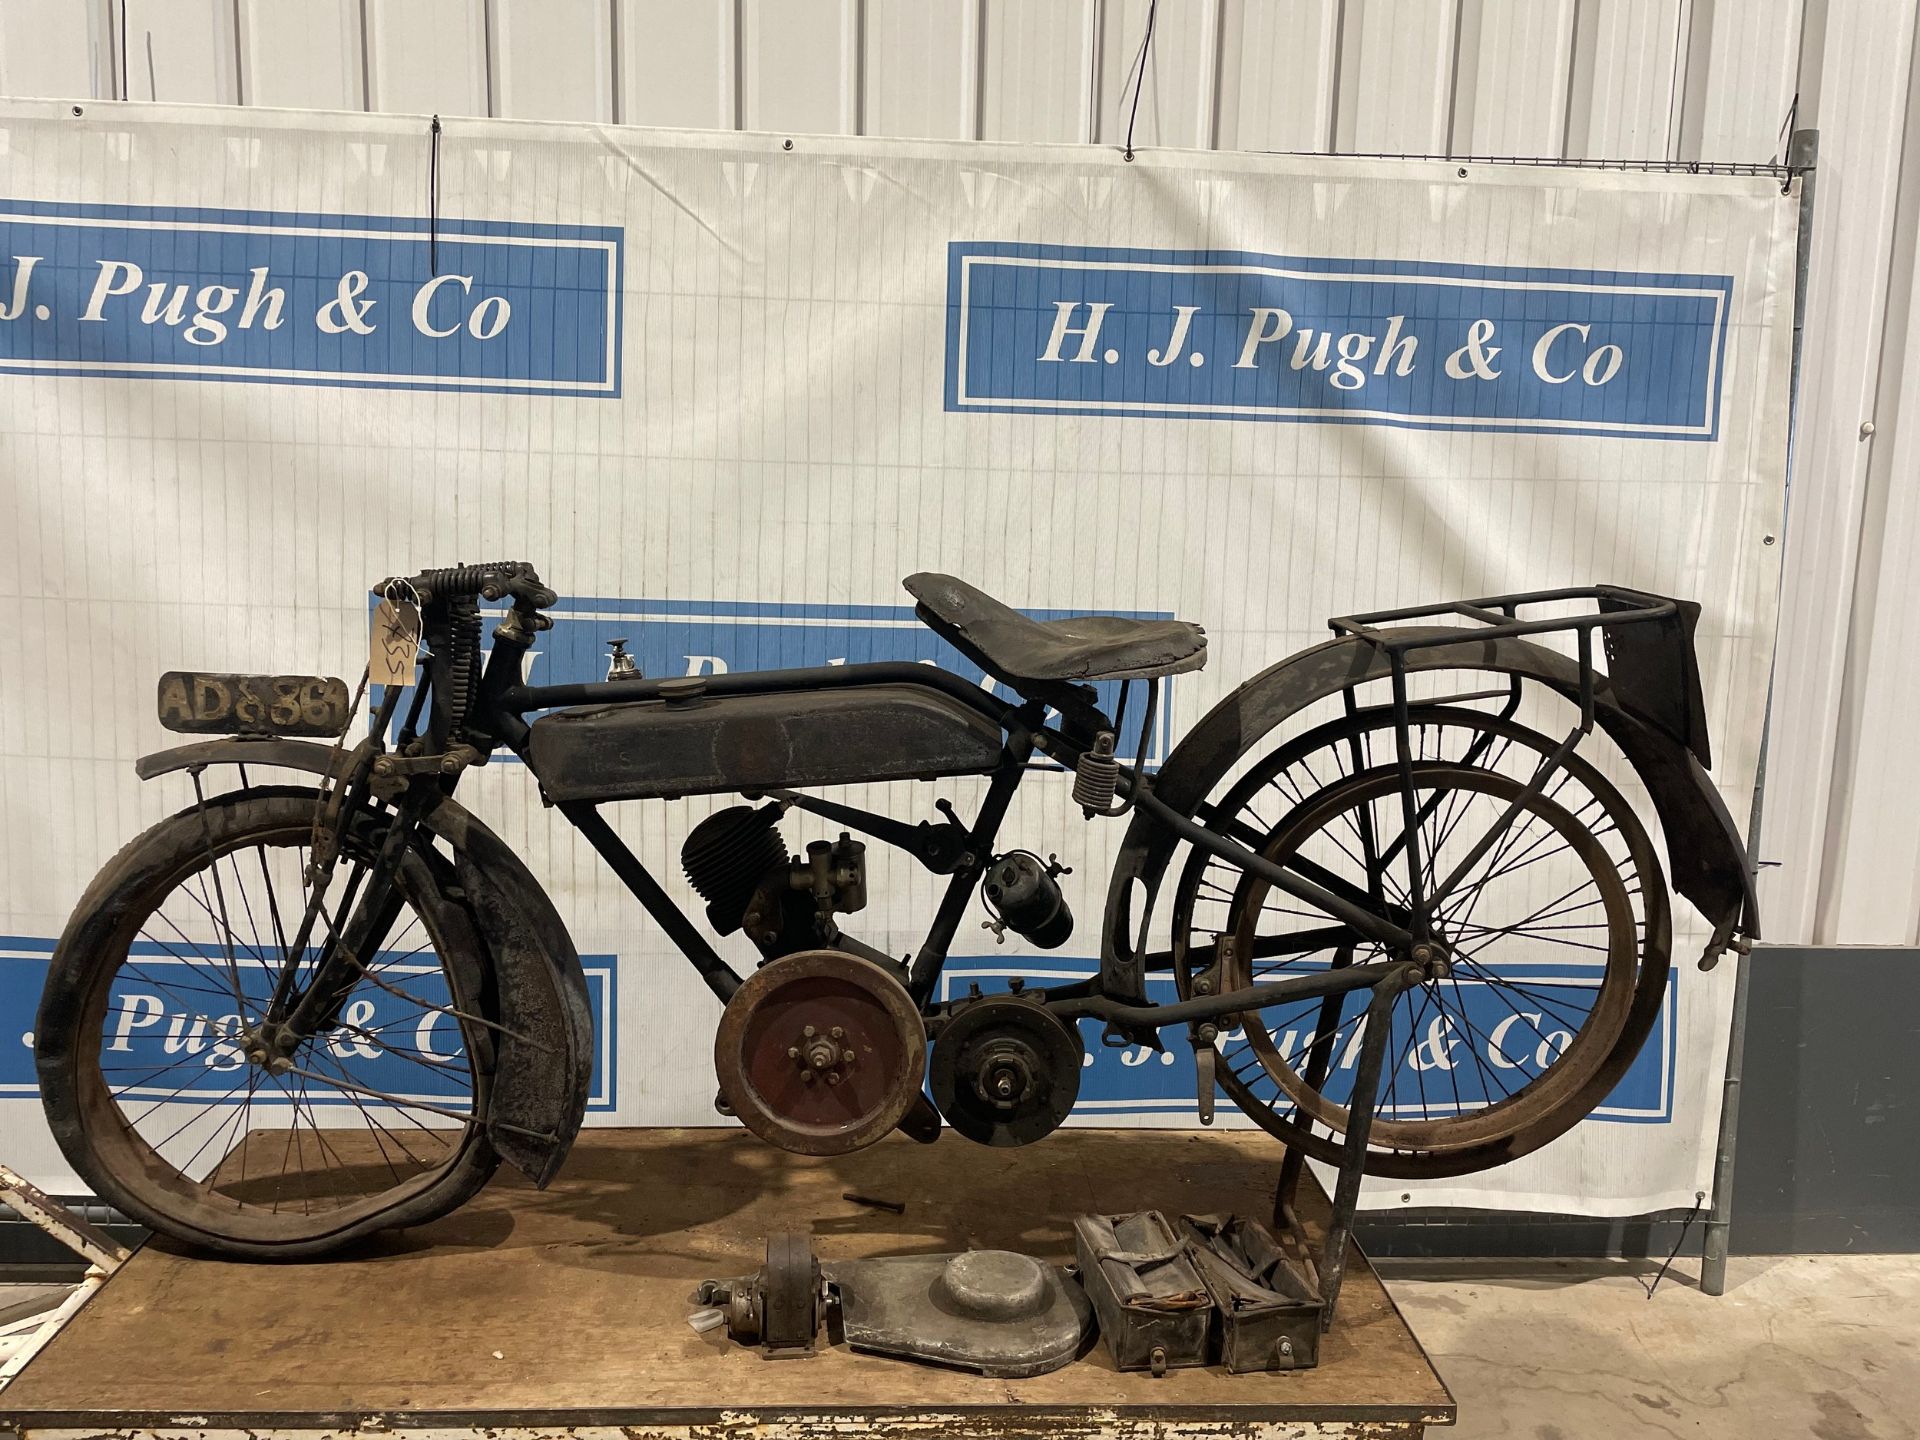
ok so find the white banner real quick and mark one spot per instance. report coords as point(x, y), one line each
point(726, 393)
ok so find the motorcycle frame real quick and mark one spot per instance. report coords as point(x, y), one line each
point(426, 769)
point(505, 702)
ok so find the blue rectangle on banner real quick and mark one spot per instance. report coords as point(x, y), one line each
point(159, 1022)
point(1231, 335)
point(309, 299)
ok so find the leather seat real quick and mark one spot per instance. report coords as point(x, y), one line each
point(1017, 648)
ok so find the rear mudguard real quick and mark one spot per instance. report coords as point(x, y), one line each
point(1706, 856)
point(544, 1068)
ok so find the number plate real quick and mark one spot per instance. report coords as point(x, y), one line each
point(196, 704)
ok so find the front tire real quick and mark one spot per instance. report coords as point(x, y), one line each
point(142, 1040)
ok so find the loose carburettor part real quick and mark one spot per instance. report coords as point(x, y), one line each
point(739, 864)
point(1024, 895)
point(780, 1307)
point(1005, 1070)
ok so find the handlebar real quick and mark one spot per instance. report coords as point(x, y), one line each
point(492, 580)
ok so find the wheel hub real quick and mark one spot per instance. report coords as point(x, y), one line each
point(269, 1045)
point(1006, 1074)
point(822, 1057)
point(1005, 1070)
point(1434, 957)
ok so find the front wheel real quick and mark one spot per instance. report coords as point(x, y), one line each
point(147, 1043)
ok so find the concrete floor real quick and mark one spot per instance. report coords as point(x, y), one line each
point(1826, 1347)
point(1821, 1346)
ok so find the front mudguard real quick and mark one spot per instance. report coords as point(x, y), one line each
point(544, 1057)
point(1706, 857)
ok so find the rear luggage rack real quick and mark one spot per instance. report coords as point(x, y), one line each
point(1613, 606)
point(1500, 614)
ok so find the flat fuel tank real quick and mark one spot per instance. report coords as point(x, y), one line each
point(662, 749)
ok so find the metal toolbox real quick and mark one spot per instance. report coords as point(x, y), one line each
point(1267, 1317)
point(1153, 1307)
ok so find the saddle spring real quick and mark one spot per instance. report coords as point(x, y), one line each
point(1096, 775)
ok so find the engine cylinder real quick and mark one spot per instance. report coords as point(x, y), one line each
point(726, 857)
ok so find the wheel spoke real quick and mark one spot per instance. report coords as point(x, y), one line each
point(320, 1122)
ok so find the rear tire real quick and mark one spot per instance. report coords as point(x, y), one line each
point(1327, 756)
point(144, 929)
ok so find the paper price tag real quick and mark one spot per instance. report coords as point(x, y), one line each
point(394, 644)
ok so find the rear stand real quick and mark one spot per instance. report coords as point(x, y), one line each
point(1321, 1278)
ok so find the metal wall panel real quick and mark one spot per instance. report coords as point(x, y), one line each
point(52, 47)
point(1394, 88)
point(678, 64)
point(1869, 63)
point(1620, 87)
point(551, 59)
point(800, 66)
point(1511, 81)
point(309, 56)
point(1656, 79)
point(1741, 61)
point(1869, 890)
point(1036, 76)
point(1178, 96)
point(428, 57)
point(1277, 66)
point(177, 51)
point(921, 69)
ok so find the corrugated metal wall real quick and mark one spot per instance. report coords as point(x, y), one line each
point(1679, 79)
point(1654, 79)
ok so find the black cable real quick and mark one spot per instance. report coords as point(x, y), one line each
point(1140, 79)
point(433, 198)
point(1699, 1198)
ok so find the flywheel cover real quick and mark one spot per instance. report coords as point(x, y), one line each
point(820, 1052)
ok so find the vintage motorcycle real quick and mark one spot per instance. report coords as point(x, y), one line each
point(294, 1014)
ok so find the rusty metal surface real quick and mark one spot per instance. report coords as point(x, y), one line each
point(76, 1232)
point(545, 1063)
point(759, 742)
point(1155, 1313)
point(820, 1053)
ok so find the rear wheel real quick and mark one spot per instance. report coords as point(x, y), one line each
point(148, 1040)
point(1454, 1098)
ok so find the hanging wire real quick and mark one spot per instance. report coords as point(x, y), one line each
point(1699, 1199)
point(1786, 130)
point(433, 198)
point(1138, 74)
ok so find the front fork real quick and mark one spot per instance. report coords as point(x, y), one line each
point(348, 936)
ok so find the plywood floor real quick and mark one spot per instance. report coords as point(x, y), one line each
point(569, 1305)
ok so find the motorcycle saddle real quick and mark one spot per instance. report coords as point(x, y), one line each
point(1018, 648)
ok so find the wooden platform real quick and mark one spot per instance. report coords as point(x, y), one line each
point(566, 1308)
